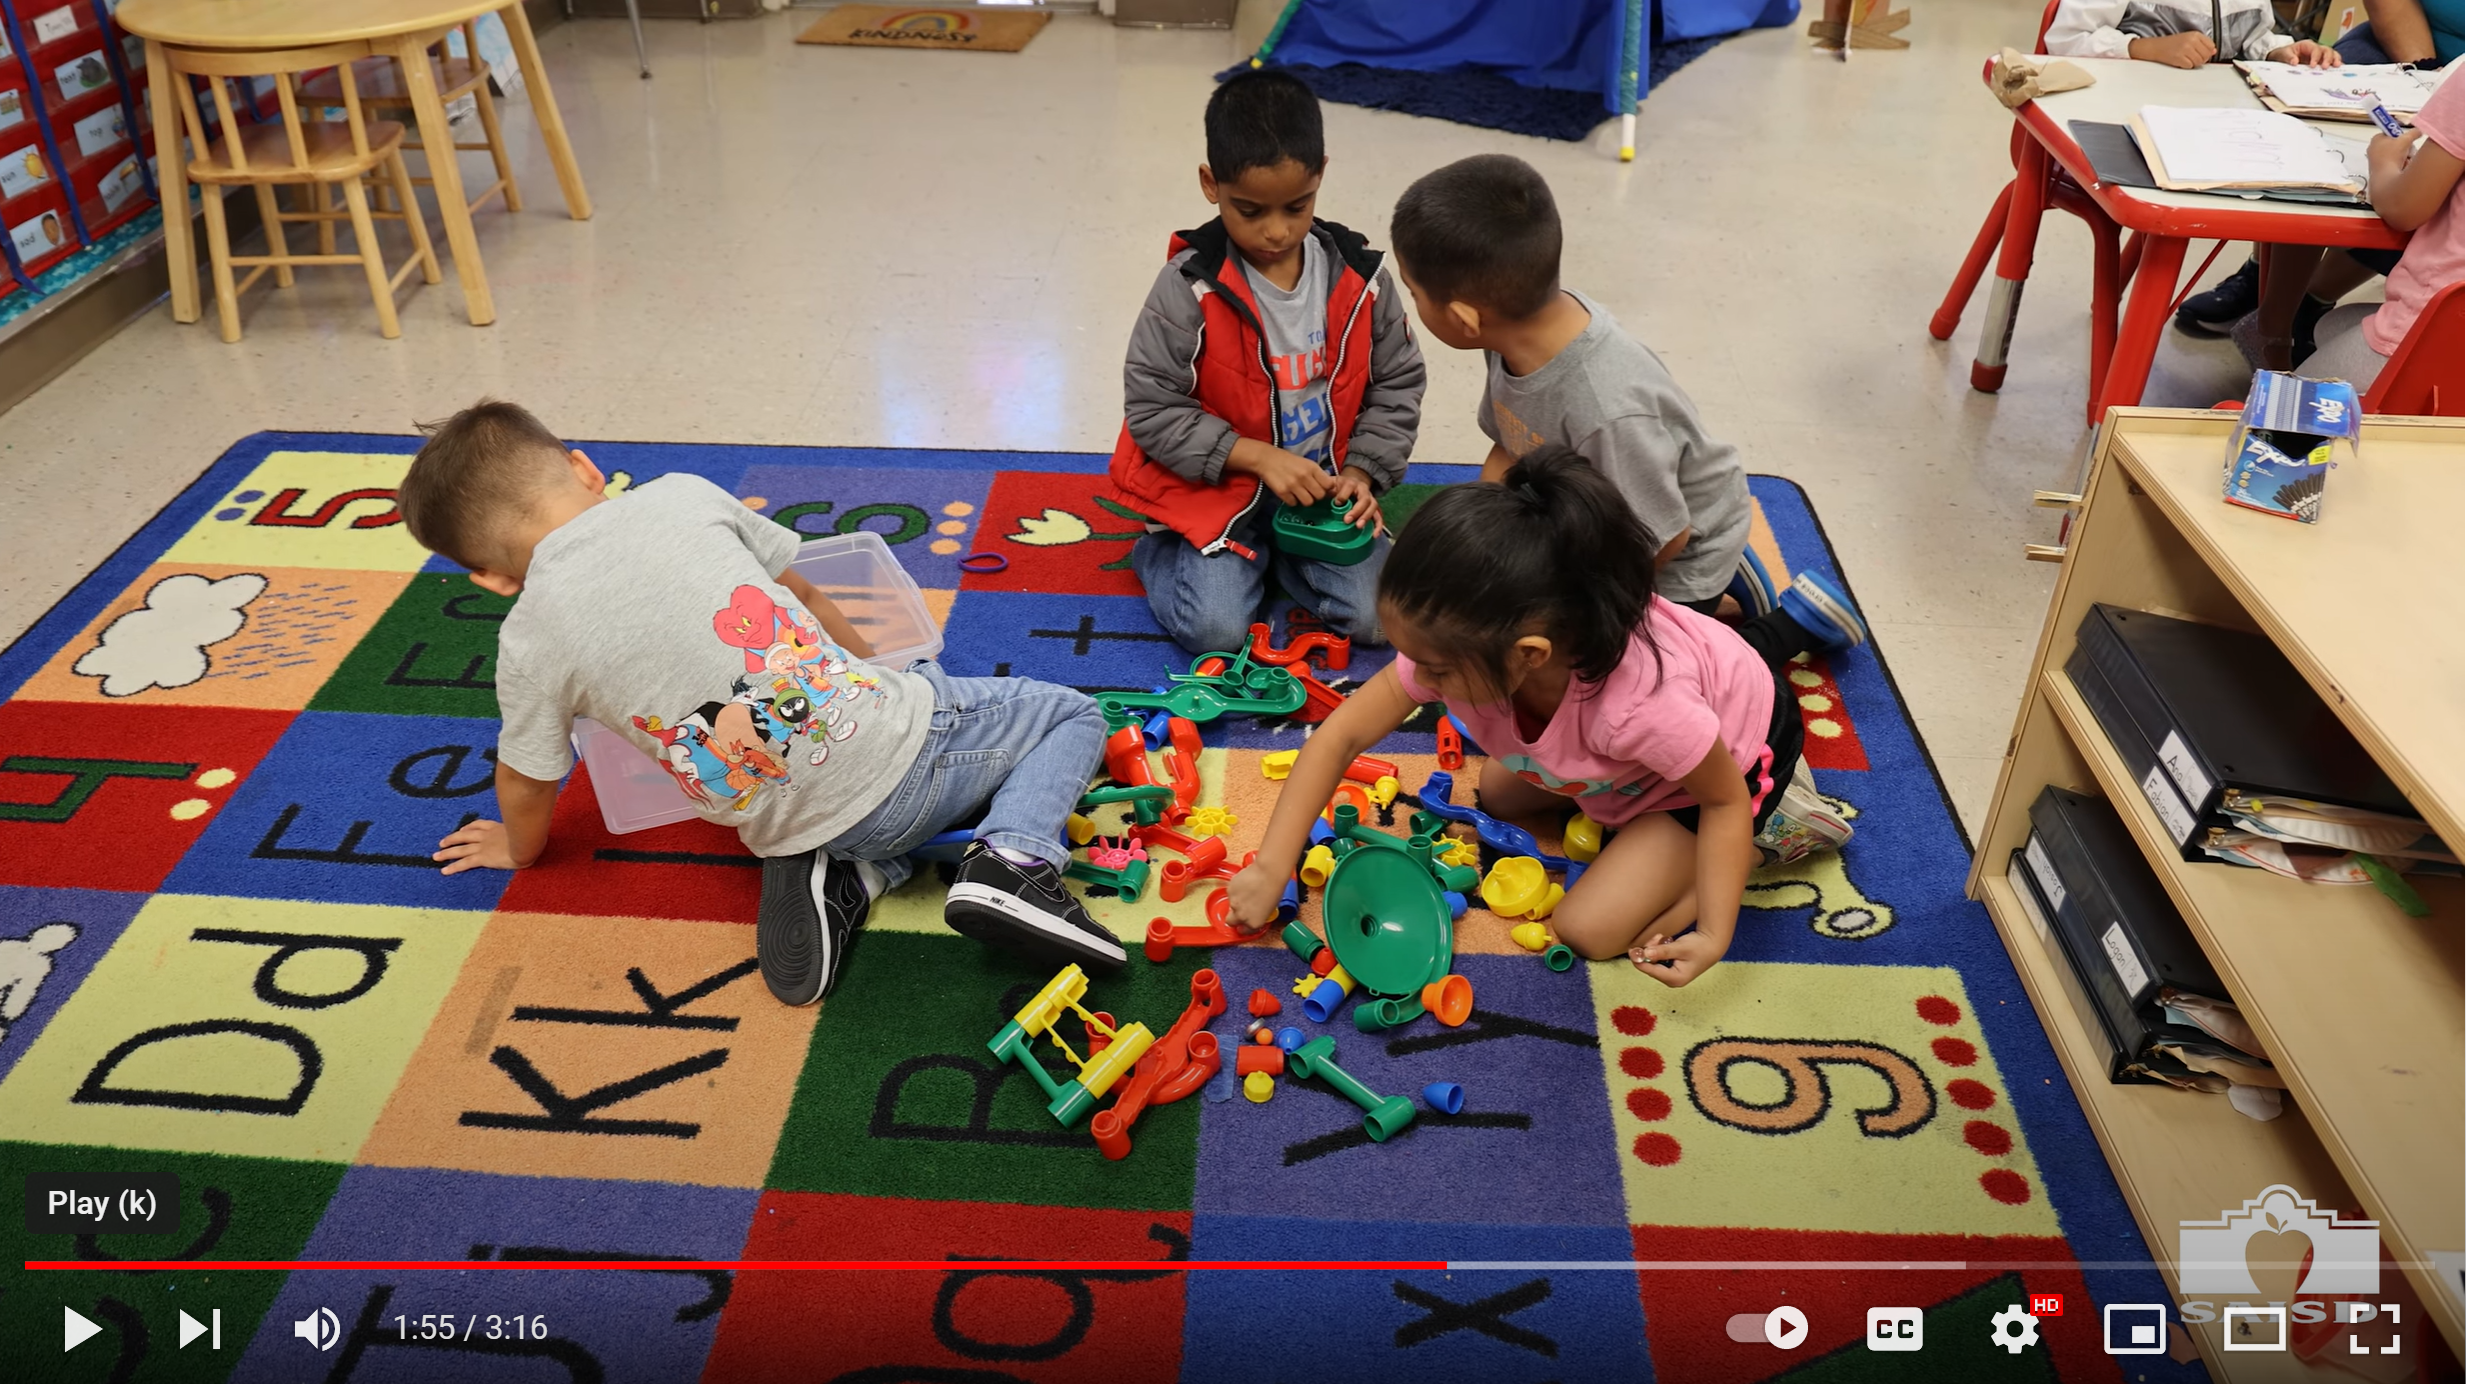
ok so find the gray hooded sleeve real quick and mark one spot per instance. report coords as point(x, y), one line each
point(1158, 379)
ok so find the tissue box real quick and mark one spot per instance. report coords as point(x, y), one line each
point(2291, 432)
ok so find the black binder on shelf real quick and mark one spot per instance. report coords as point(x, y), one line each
point(2196, 710)
point(2114, 923)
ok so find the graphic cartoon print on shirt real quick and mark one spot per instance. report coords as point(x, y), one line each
point(1307, 428)
point(796, 685)
point(1529, 770)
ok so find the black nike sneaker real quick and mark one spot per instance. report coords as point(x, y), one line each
point(812, 906)
point(1025, 909)
point(2212, 312)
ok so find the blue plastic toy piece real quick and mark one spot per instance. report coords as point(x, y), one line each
point(1445, 1097)
point(1156, 731)
point(950, 846)
point(1322, 1003)
point(1288, 907)
point(1506, 838)
point(1321, 834)
point(1289, 1039)
point(1455, 905)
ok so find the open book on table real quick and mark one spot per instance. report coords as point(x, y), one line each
point(2195, 149)
point(2341, 93)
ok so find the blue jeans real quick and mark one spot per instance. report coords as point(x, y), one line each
point(1207, 603)
point(1016, 750)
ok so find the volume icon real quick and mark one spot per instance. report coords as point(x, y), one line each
point(318, 1328)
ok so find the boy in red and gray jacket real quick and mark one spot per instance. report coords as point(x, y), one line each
point(1271, 365)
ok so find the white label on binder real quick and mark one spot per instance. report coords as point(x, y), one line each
point(2183, 768)
point(2044, 869)
point(2119, 955)
point(2170, 809)
point(58, 23)
point(2029, 900)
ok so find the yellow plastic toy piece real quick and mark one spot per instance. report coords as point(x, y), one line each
point(1080, 828)
point(1129, 1042)
point(1549, 900)
point(1516, 886)
point(1583, 839)
point(1385, 790)
point(1209, 821)
point(1258, 1086)
point(1279, 764)
point(1451, 851)
point(1306, 984)
point(1532, 937)
point(1317, 864)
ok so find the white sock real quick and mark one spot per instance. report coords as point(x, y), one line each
point(877, 879)
point(1017, 857)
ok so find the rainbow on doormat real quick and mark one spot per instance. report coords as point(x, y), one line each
point(224, 953)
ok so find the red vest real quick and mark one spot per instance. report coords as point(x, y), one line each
point(1232, 380)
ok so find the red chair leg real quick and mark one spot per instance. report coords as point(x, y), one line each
point(1964, 283)
point(2027, 206)
point(2144, 318)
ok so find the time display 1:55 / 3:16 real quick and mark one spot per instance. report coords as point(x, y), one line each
point(438, 1326)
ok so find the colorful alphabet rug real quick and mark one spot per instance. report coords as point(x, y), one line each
point(225, 955)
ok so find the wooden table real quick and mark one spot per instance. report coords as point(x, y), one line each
point(2359, 1006)
point(399, 29)
point(2163, 222)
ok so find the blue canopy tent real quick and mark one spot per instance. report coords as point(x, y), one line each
point(1467, 59)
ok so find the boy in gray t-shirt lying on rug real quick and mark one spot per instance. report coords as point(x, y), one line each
point(669, 614)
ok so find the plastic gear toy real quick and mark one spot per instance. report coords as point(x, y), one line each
point(2014, 1329)
point(1209, 821)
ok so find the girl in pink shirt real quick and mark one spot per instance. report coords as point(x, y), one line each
point(1527, 606)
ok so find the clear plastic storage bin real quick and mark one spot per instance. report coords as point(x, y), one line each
point(859, 575)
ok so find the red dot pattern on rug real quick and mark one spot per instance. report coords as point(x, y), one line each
point(1661, 1151)
point(2005, 1186)
point(1647, 1104)
point(1955, 1052)
point(1969, 1095)
point(1633, 1020)
point(1935, 1009)
point(1641, 1063)
point(1988, 1138)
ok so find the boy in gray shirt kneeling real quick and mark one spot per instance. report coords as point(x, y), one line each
point(669, 614)
point(1477, 245)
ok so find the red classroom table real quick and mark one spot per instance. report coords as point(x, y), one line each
point(2162, 224)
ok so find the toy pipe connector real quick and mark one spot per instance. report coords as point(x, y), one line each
point(1317, 864)
point(1301, 941)
point(1383, 791)
point(1153, 731)
point(1375, 1016)
point(1366, 769)
point(1257, 1087)
point(1549, 900)
point(1253, 1058)
point(1582, 839)
point(1445, 1097)
point(1449, 999)
point(1170, 1069)
point(1329, 995)
point(1559, 957)
point(1351, 795)
point(1182, 766)
point(1288, 1038)
point(1456, 905)
point(1319, 701)
point(1288, 904)
point(1450, 745)
point(1126, 758)
point(1323, 964)
point(1159, 834)
point(1322, 832)
point(1334, 651)
point(1263, 1003)
point(1383, 1116)
point(1278, 764)
point(1530, 936)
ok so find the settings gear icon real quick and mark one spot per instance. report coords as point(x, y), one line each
point(2014, 1329)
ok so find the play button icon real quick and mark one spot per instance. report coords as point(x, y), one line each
point(75, 1330)
point(1785, 1328)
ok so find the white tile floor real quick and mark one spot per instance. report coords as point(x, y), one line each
point(833, 245)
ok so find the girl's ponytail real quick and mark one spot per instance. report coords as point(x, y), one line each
point(1553, 543)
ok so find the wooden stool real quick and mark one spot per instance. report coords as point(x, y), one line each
point(309, 153)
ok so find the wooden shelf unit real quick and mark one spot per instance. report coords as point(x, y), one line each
point(2362, 1009)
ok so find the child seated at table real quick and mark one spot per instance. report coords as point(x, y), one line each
point(2178, 33)
point(2415, 187)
